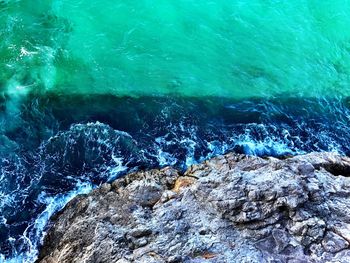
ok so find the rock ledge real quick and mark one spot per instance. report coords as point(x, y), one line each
point(233, 208)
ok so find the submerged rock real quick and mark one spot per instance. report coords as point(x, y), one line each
point(232, 208)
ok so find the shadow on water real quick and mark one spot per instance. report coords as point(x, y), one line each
point(57, 143)
point(48, 115)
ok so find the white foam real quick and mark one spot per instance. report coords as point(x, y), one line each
point(114, 171)
point(35, 233)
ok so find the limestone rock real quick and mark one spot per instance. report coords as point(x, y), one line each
point(232, 208)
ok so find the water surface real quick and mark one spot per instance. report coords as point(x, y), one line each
point(90, 90)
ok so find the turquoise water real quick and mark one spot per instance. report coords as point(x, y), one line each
point(188, 48)
point(90, 90)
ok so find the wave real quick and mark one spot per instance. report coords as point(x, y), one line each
point(35, 232)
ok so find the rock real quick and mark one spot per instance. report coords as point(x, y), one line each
point(306, 168)
point(333, 243)
point(174, 259)
point(140, 232)
point(183, 181)
point(308, 231)
point(281, 238)
point(233, 208)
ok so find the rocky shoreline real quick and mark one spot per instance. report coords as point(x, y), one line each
point(232, 208)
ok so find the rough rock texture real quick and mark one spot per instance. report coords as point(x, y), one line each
point(233, 208)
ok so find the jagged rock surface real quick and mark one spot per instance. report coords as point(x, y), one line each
point(232, 208)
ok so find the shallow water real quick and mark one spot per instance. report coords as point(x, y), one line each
point(92, 90)
point(195, 48)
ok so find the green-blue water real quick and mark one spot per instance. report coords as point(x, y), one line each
point(230, 48)
point(90, 90)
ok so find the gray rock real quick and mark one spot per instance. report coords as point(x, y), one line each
point(232, 208)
